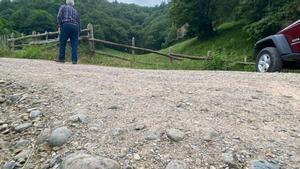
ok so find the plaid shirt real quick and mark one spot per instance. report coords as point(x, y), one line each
point(68, 14)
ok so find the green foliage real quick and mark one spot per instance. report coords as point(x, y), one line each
point(29, 53)
point(5, 27)
point(268, 17)
point(197, 13)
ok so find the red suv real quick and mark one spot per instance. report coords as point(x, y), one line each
point(277, 51)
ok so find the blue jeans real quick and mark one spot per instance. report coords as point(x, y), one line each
point(68, 31)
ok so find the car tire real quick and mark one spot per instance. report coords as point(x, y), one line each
point(268, 60)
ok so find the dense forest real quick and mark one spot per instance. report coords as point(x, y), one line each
point(153, 27)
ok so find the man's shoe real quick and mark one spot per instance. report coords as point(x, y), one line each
point(59, 61)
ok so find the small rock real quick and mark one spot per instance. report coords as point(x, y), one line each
point(9, 165)
point(21, 143)
point(55, 160)
point(263, 164)
point(43, 136)
point(136, 157)
point(59, 137)
point(34, 114)
point(14, 98)
point(230, 159)
point(176, 164)
point(210, 135)
point(152, 135)
point(113, 108)
point(2, 99)
point(22, 156)
point(175, 135)
point(22, 127)
point(81, 161)
point(3, 127)
point(79, 118)
point(140, 127)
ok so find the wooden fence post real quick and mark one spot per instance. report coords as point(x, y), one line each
point(46, 33)
point(12, 44)
point(170, 54)
point(91, 38)
point(209, 56)
point(133, 44)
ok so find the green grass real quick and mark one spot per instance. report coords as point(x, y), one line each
point(229, 45)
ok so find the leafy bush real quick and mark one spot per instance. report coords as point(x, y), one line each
point(29, 53)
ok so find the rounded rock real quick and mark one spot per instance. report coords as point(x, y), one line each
point(79, 118)
point(22, 127)
point(86, 161)
point(263, 164)
point(176, 164)
point(35, 113)
point(59, 137)
point(175, 135)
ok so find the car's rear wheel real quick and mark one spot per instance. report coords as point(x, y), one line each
point(268, 60)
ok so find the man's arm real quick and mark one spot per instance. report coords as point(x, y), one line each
point(59, 16)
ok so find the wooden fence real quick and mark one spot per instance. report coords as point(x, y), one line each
point(52, 37)
point(4, 40)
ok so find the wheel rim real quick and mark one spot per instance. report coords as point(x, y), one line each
point(264, 63)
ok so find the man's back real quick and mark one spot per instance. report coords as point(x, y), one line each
point(68, 14)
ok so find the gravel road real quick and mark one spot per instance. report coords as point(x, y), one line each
point(248, 116)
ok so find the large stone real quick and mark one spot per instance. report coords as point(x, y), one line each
point(86, 161)
point(79, 118)
point(176, 164)
point(59, 137)
point(262, 164)
point(175, 135)
point(22, 127)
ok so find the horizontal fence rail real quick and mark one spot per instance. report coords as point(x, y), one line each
point(43, 38)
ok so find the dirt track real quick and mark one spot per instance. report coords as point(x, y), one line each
point(256, 116)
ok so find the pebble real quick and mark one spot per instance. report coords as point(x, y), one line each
point(55, 160)
point(176, 164)
point(210, 135)
point(43, 136)
point(263, 164)
point(175, 135)
point(79, 118)
point(81, 160)
point(152, 135)
point(34, 114)
point(22, 156)
point(22, 127)
point(22, 142)
point(139, 127)
point(136, 157)
point(230, 159)
point(9, 165)
point(2, 99)
point(3, 127)
point(59, 137)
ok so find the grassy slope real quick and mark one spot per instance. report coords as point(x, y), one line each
point(229, 45)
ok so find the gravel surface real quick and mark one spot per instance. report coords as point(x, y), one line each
point(225, 119)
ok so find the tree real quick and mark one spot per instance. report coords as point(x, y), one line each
point(197, 13)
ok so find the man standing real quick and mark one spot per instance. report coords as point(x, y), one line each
point(68, 20)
